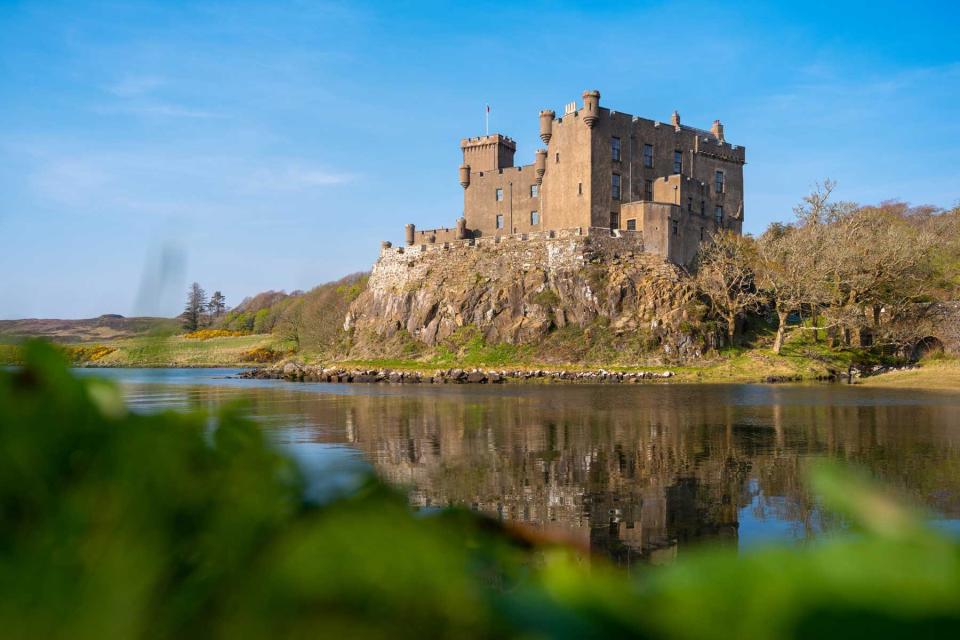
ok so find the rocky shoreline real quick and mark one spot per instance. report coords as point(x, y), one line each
point(297, 372)
point(317, 373)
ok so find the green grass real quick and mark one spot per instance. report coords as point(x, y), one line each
point(941, 374)
point(177, 351)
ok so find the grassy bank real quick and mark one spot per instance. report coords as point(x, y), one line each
point(178, 351)
point(746, 366)
point(936, 374)
point(800, 360)
point(170, 351)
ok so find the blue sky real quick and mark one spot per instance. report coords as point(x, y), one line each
point(272, 145)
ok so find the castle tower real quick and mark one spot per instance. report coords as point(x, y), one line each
point(540, 164)
point(488, 153)
point(591, 107)
point(546, 125)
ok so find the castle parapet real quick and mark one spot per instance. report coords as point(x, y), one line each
point(487, 153)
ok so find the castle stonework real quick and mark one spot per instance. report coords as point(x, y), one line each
point(603, 171)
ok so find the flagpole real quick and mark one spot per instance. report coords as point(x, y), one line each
point(486, 120)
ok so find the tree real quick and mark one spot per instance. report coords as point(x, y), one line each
point(725, 277)
point(785, 269)
point(218, 304)
point(193, 313)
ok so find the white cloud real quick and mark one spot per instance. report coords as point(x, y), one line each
point(293, 177)
point(136, 95)
point(131, 86)
point(158, 109)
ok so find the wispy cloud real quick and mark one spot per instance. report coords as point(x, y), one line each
point(138, 95)
point(157, 109)
point(294, 177)
point(136, 85)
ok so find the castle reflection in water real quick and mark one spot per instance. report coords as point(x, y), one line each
point(640, 473)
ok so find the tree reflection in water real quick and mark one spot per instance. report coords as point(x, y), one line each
point(638, 473)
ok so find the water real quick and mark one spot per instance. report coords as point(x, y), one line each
point(637, 472)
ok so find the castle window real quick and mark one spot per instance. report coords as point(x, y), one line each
point(579, 188)
point(632, 224)
point(534, 218)
point(676, 227)
point(678, 161)
point(701, 234)
point(615, 148)
point(558, 157)
point(615, 187)
point(648, 190)
point(703, 207)
point(499, 195)
point(534, 191)
point(718, 181)
point(690, 204)
point(614, 220)
point(648, 155)
point(718, 214)
point(499, 221)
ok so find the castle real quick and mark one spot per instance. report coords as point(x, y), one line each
point(602, 172)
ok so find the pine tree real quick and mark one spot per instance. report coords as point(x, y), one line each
point(193, 313)
point(218, 304)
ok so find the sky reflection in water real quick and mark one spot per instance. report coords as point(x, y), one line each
point(639, 473)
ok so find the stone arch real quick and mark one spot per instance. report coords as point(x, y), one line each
point(926, 346)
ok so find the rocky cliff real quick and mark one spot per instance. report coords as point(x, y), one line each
point(554, 292)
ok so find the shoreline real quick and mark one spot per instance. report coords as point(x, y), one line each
point(295, 372)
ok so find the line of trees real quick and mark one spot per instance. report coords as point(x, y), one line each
point(200, 312)
point(859, 273)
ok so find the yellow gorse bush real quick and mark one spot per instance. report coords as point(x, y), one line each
point(208, 334)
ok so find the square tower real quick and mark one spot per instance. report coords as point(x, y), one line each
point(488, 153)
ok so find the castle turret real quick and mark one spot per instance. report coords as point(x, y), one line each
point(464, 175)
point(461, 228)
point(675, 120)
point(591, 107)
point(488, 153)
point(411, 231)
point(540, 164)
point(717, 130)
point(546, 125)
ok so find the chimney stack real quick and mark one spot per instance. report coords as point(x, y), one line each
point(717, 130)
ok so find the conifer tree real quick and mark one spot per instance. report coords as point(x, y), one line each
point(218, 304)
point(193, 313)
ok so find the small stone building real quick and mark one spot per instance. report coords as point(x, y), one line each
point(603, 170)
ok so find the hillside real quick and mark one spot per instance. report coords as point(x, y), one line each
point(102, 328)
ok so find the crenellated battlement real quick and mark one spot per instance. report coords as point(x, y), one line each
point(428, 242)
point(596, 164)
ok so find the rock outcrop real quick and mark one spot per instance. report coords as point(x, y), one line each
point(520, 289)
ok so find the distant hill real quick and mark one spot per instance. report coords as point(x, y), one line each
point(106, 327)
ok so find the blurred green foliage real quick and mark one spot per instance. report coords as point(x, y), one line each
point(118, 525)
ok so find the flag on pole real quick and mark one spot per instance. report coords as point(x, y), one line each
point(486, 121)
